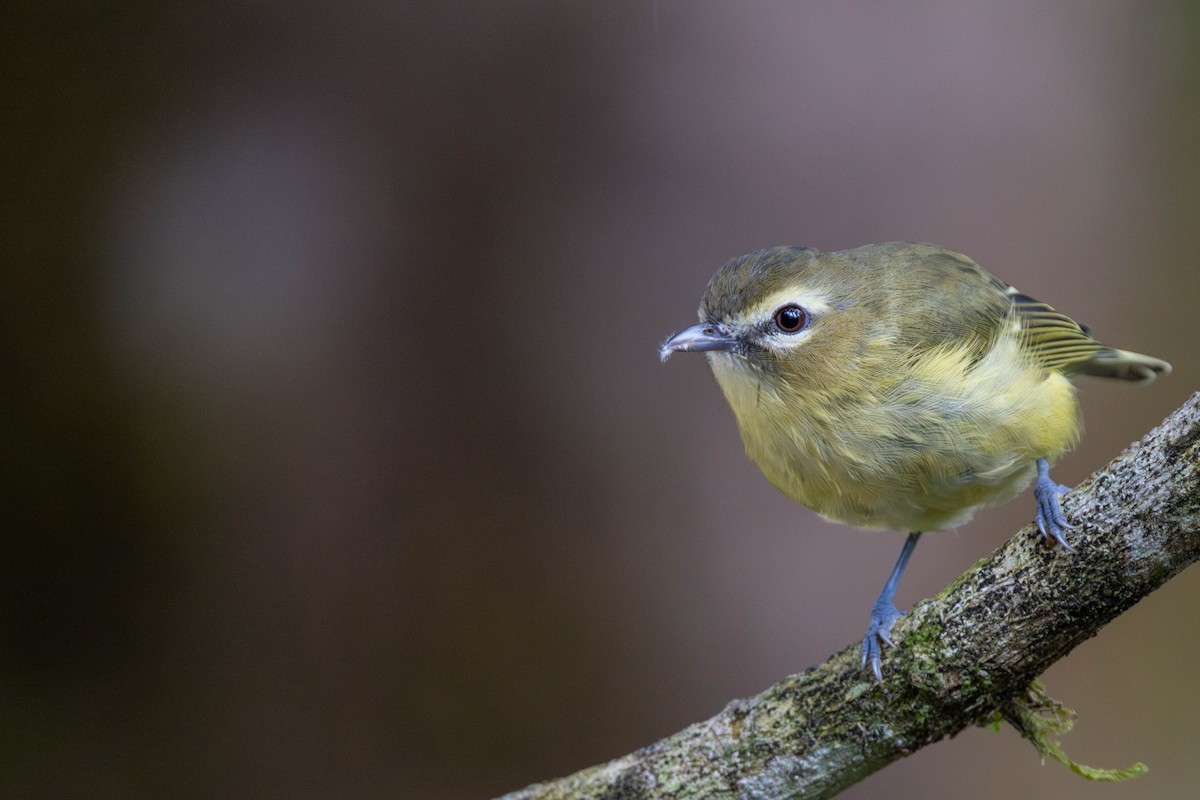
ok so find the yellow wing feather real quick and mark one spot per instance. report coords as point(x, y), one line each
point(1060, 343)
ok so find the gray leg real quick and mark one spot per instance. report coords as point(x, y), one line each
point(884, 613)
point(1050, 517)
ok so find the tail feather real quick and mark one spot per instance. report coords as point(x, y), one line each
point(1111, 363)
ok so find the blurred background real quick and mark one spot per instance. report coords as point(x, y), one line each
point(337, 457)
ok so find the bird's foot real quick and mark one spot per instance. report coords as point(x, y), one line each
point(883, 616)
point(1051, 520)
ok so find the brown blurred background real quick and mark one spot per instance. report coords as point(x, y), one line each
point(338, 460)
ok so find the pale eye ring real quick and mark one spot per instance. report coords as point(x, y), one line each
point(791, 318)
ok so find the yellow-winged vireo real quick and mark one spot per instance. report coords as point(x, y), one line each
point(898, 386)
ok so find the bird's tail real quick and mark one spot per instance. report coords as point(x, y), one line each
point(1111, 363)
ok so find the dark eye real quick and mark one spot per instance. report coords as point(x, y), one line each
point(790, 318)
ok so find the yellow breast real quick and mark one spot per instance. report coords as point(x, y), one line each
point(900, 441)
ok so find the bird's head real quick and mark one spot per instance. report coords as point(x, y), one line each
point(782, 317)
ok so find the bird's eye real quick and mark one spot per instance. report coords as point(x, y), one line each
point(790, 318)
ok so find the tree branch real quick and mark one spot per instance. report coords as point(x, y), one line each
point(960, 656)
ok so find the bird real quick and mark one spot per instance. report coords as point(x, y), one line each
point(898, 386)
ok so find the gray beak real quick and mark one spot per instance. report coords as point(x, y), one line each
point(702, 336)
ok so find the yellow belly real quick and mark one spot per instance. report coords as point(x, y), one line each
point(939, 439)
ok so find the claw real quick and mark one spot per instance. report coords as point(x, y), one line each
point(1051, 520)
point(879, 633)
point(884, 614)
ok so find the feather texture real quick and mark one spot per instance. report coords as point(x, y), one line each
point(921, 389)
